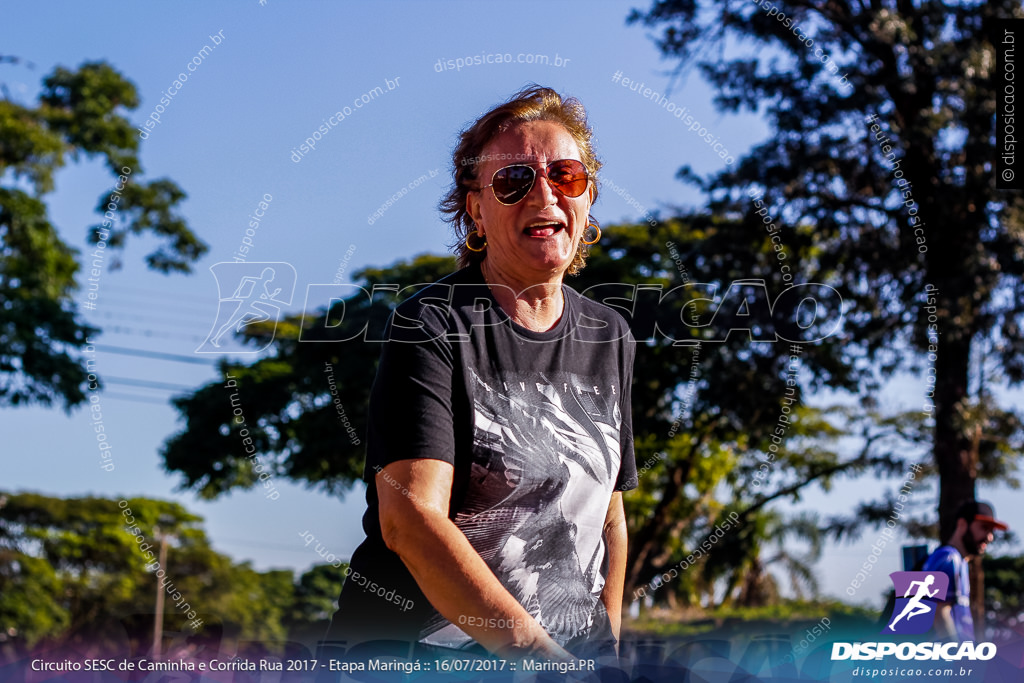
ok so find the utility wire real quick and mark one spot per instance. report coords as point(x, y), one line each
point(158, 355)
point(150, 293)
point(117, 329)
point(150, 305)
point(145, 383)
point(160, 317)
point(131, 398)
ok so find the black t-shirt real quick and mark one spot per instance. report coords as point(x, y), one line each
point(537, 426)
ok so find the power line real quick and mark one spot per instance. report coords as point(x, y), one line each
point(162, 317)
point(137, 399)
point(118, 329)
point(150, 293)
point(147, 384)
point(158, 355)
point(150, 305)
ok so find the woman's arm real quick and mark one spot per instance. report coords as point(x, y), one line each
point(449, 571)
point(615, 542)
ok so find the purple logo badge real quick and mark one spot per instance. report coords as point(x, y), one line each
point(917, 597)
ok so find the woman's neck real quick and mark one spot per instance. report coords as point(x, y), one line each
point(537, 306)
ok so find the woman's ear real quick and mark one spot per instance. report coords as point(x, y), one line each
point(473, 209)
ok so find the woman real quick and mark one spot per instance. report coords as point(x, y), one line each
point(500, 433)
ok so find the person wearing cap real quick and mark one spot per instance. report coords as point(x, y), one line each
point(975, 523)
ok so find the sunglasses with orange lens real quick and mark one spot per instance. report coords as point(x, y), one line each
point(512, 183)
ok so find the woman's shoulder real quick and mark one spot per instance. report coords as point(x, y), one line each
point(595, 310)
point(428, 293)
point(433, 304)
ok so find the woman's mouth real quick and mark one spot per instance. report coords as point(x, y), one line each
point(543, 229)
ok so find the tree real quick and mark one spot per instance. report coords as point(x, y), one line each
point(758, 586)
point(710, 408)
point(67, 565)
point(882, 158)
point(292, 418)
point(1004, 588)
point(314, 601)
point(79, 113)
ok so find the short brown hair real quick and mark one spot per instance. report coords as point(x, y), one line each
point(533, 103)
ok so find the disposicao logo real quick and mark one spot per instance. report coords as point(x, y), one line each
point(921, 592)
point(258, 293)
point(917, 598)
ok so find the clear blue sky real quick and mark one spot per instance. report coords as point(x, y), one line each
point(227, 138)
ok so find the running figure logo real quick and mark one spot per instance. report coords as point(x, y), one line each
point(258, 291)
point(917, 594)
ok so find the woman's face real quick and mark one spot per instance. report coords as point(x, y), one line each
point(534, 240)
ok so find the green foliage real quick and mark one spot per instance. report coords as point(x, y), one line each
point(89, 557)
point(1004, 589)
point(79, 112)
point(790, 610)
point(69, 564)
point(37, 327)
point(29, 597)
point(706, 418)
point(82, 108)
point(316, 596)
point(878, 174)
point(290, 414)
point(785, 616)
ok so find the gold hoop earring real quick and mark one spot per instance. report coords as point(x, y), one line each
point(470, 247)
point(596, 227)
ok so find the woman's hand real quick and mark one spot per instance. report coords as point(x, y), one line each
point(414, 499)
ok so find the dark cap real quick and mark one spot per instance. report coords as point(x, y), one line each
point(974, 510)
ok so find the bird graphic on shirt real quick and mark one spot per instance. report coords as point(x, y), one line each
point(532, 452)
